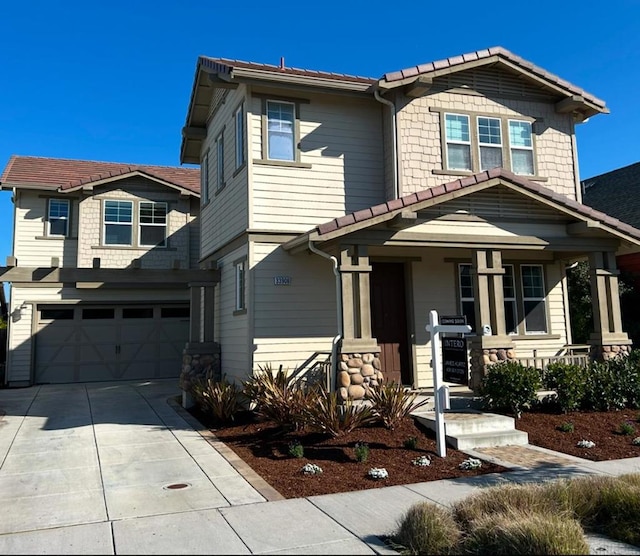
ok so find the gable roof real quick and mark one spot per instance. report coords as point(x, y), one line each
point(223, 73)
point(384, 212)
point(617, 193)
point(65, 175)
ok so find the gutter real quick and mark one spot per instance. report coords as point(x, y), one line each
point(338, 336)
point(394, 153)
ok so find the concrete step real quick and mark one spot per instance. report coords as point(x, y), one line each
point(488, 439)
point(467, 421)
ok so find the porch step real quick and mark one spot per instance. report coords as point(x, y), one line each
point(469, 428)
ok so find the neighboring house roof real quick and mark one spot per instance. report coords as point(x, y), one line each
point(215, 73)
point(617, 193)
point(65, 175)
point(365, 218)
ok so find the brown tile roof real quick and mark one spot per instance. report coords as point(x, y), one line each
point(224, 65)
point(487, 53)
point(62, 174)
point(415, 198)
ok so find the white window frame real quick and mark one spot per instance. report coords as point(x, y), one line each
point(448, 141)
point(542, 299)
point(51, 217)
point(238, 118)
point(105, 223)
point(497, 146)
point(220, 161)
point(240, 281)
point(293, 131)
point(204, 178)
point(519, 148)
point(152, 224)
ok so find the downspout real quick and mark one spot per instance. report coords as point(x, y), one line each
point(394, 136)
point(338, 336)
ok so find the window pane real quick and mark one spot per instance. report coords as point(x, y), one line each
point(58, 217)
point(510, 318)
point(152, 235)
point(466, 282)
point(489, 131)
point(281, 146)
point(535, 318)
point(240, 137)
point(174, 313)
point(458, 157)
point(280, 127)
point(520, 134)
point(468, 310)
point(56, 314)
point(137, 313)
point(507, 282)
point(92, 314)
point(532, 282)
point(58, 227)
point(522, 162)
point(153, 213)
point(118, 211)
point(457, 127)
point(490, 157)
point(116, 234)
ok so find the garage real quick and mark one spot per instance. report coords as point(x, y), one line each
point(83, 343)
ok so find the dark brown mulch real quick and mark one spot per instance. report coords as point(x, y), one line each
point(264, 447)
point(601, 427)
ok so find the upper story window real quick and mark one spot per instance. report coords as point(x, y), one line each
point(58, 217)
point(281, 130)
point(239, 127)
point(118, 222)
point(204, 178)
point(153, 224)
point(220, 161)
point(475, 143)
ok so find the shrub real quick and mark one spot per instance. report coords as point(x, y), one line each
point(391, 403)
point(361, 450)
point(411, 443)
point(428, 528)
point(510, 387)
point(219, 399)
point(569, 383)
point(626, 428)
point(567, 426)
point(604, 390)
point(296, 449)
point(279, 397)
point(521, 532)
point(329, 415)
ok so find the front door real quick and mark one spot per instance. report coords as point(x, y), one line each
point(389, 321)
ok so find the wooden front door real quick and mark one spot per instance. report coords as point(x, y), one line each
point(389, 321)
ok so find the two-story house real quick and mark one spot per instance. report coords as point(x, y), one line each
point(103, 256)
point(340, 210)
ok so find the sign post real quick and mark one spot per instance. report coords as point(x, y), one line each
point(435, 328)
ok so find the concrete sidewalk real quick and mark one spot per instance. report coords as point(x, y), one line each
point(118, 468)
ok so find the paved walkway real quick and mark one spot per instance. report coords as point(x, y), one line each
point(120, 468)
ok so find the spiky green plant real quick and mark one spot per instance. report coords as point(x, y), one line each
point(391, 402)
point(220, 399)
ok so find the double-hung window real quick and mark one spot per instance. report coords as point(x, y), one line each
point(467, 300)
point(521, 147)
point(239, 125)
point(204, 178)
point(118, 222)
point(281, 130)
point(220, 161)
point(489, 143)
point(510, 304)
point(58, 217)
point(240, 285)
point(533, 299)
point(153, 224)
point(458, 141)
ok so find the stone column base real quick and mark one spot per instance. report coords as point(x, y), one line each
point(200, 360)
point(358, 372)
point(607, 352)
point(484, 352)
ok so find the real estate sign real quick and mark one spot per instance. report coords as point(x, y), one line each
point(455, 363)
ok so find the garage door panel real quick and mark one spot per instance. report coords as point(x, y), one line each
point(116, 343)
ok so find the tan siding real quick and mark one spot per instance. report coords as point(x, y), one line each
point(292, 322)
point(225, 215)
point(232, 331)
point(342, 140)
point(134, 189)
point(31, 247)
point(420, 139)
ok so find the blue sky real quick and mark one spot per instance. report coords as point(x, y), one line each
point(111, 80)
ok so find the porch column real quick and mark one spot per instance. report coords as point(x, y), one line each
point(608, 339)
point(494, 345)
point(201, 355)
point(359, 364)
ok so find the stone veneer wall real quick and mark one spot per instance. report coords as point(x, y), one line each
point(199, 362)
point(357, 373)
point(481, 358)
point(605, 353)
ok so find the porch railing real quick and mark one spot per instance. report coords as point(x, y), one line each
point(316, 369)
point(570, 355)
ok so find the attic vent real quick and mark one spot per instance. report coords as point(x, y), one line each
point(281, 62)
